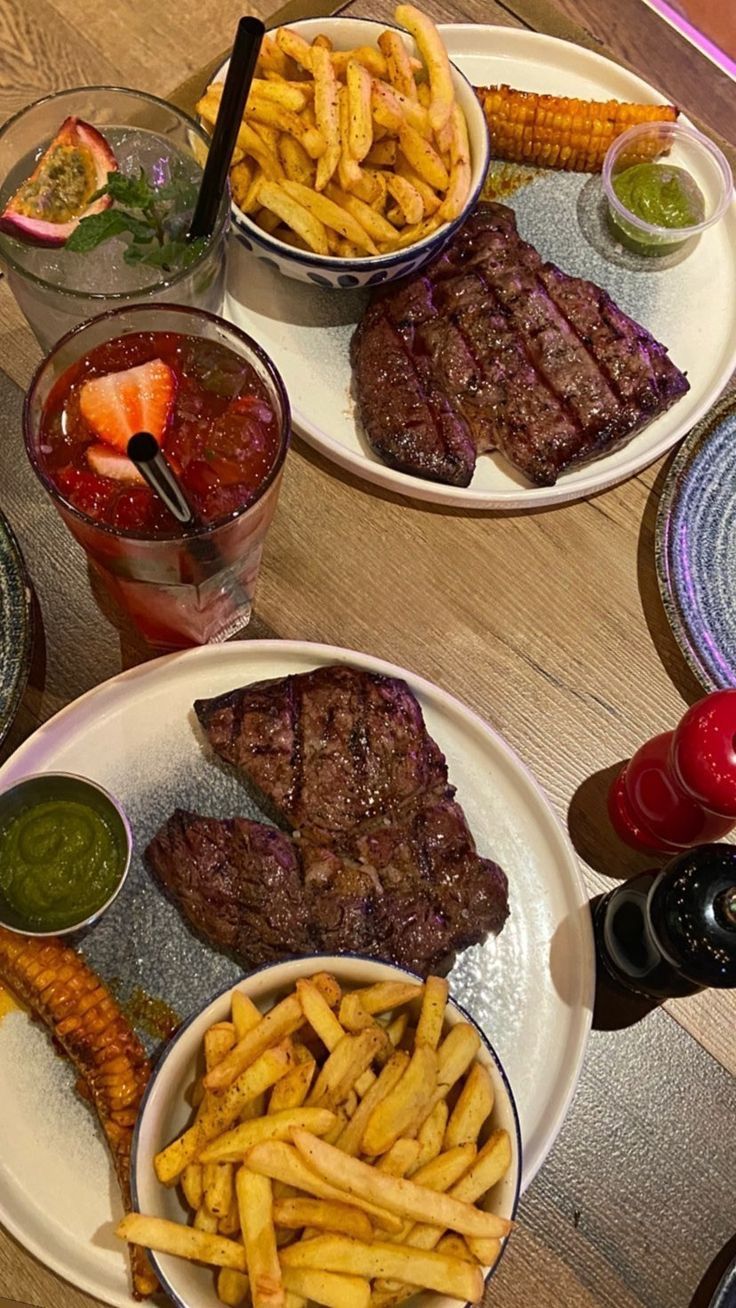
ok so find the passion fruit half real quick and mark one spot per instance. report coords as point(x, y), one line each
point(48, 206)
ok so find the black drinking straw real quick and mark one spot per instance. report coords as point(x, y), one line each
point(234, 95)
point(145, 452)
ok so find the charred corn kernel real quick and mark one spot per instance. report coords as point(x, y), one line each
point(552, 131)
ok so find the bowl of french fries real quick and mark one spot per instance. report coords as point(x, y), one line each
point(361, 151)
point(332, 1130)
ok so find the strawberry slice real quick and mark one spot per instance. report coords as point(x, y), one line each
point(107, 462)
point(120, 404)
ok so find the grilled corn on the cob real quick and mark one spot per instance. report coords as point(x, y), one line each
point(81, 1014)
point(554, 131)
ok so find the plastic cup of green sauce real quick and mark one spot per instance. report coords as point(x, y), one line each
point(65, 848)
point(665, 184)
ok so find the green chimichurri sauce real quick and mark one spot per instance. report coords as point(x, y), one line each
point(661, 194)
point(60, 860)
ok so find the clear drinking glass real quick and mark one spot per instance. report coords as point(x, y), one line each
point(57, 289)
point(191, 586)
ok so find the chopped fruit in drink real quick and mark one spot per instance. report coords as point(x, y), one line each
point(119, 404)
point(51, 203)
point(108, 463)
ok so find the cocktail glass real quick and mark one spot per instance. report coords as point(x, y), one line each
point(57, 289)
point(192, 585)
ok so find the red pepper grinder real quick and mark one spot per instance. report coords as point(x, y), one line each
point(679, 789)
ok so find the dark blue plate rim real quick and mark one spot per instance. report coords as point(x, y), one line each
point(679, 623)
point(14, 673)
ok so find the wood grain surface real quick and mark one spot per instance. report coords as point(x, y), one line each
point(548, 624)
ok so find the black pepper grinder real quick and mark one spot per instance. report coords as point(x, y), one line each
point(672, 931)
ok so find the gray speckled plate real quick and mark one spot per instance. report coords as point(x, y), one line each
point(696, 547)
point(15, 626)
point(689, 304)
point(531, 989)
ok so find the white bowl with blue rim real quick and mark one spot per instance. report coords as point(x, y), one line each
point(166, 1110)
point(373, 270)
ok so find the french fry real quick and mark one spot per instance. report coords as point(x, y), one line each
point(348, 168)
point(282, 1162)
point(411, 111)
point(395, 1194)
point(327, 1287)
point(456, 1053)
point(399, 68)
point(384, 996)
point(326, 114)
point(294, 45)
point(192, 1184)
point(407, 197)
point(319, 1014)
point(255, 1204)
point(292, 1089)
point(232, 1286)
point(352, 1055)
point(411, 235)
point(233, 1146)
point(457, 191)
point(276, 198)
point(245, 1015)
point(446, 1169)
point(329, 213)
point(295, 161)
point(401, 1158)
point(434, 54)
point(436, 990)
point(491, 1163)
point(353, 1016)
point(385, 107)
point(204, 1220)
point(485, 1251)
point(365, 55)
point(219, 1112)
point(230, 1224)
point(396, 1030)
point(300, 1212)
point(430, 199)
point(383, 153)
point(455, 1246)
point(433, 1271)
point(271, 58)
point(350, 1139)
point(431, 1133)
point(163, 1236)
point(423, 158)
point(218, 1041)
point(267, 221)
point(254, 1108)
point(269, 135)
point(360, 134)
point(474, 1105)
point(218, 1188)
point(406, 1106)
point(286, 94)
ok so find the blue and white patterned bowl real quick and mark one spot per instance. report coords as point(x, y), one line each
point(326, 270)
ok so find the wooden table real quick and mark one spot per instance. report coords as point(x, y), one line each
point(548, 624)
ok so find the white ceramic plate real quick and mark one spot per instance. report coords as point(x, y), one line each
point(530, 990)
point(690, 307)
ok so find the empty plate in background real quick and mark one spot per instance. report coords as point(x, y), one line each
point(696, 547)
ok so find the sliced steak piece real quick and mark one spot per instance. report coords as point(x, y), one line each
point(327, 749)
point(237, 882)
point(520, 356)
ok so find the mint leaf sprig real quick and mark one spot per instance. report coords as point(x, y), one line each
point(154, 216)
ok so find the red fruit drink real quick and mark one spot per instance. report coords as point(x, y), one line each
point(219, 410)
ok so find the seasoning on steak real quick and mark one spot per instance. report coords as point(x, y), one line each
point(491, 348)
point(381, 862)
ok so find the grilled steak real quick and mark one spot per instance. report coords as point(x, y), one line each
point(492, 348)
point(381, 861)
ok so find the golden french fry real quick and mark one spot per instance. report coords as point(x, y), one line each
point(348, 251)
point(286, 235)
point(443, 139)
point(292, 1089)
point(254, 1108)
point(406, 1106)
point(395, 1194)
point(365, 55)
point(411, 209)
point(255, 1204)
point(326, 114)
point(204, 1220)
point(218, 1188)
point(269, 135)
point(271, 58)
point(431, 48)
point(318, 1012)
point(245, 1015)
point(294, 45)
point(232, 1286)
point(401, 1158)
point(289, 95)
point(411, 111)
point(351, 1137)
point(396, 1030)
point(327, 1287)
point(430, 199)
point(360, 135)
point(267, 221)
point(192, 1184)
point(455, 1246)
point(298, 1213)
point(410, 235)
point(460, 172)
point(233, 1146)
point(353, 1016)
point(385, 108)
point(230, 1224)
point(378, 191)
point(348, 168)
point(436, 989)
point(382, 153)
point(182, 1241)
point(491, 1163)
point(424, 95)
point(296, 163)
point(474, 1105)
point(423, 158)
point(352, 1055)
point(398, 64)
point(485, 1251)
point(282, 1162)
point(433, 1271)
point(456, 1053)
point(329, 213)
point(220, 1111)
point(384, 996)
point(442, 1172)
point(431, 1133)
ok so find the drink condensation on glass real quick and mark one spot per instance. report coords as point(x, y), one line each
point(227, 439)
point(55, 288)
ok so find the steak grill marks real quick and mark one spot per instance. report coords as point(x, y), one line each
point(491, 348)
point(381, 860)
